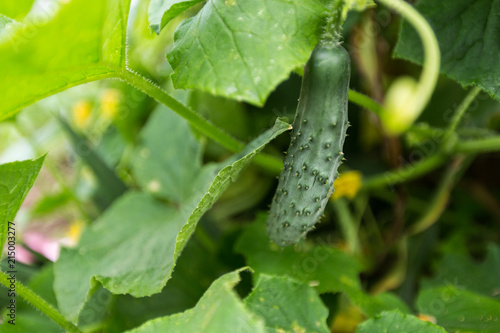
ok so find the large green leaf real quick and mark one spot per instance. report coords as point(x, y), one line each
point(132, 248)
point(181, 157)
point(220, 310)
point(161, 12)
point(460, 310)
point(287, 306)
point(194, 271)
point(468, 33)
point(243, 49)
point(395, 321)
point(84, 42)
point(461, 272)
point(16, 179)
point(322, 266)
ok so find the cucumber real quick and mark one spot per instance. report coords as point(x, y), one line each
point(315, 151)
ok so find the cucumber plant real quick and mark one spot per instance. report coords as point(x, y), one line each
point(315, 150)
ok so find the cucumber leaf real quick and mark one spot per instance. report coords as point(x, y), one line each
point(147, 235)
point(161, 12)
point(243, 49)
point(395, 321)
point(459, 310)
point(219, 310)
point(326, 268)
point(461, 272)
point(85, 41)
point(287, 305)
point(16, 179)
point(469, 39)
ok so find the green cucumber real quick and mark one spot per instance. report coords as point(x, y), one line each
point(315, 151)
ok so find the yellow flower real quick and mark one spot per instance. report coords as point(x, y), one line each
point(81, 113)
point(347, 319)
point(75, 231)
point(428, 318)
point(110, 100)
point(347, 185)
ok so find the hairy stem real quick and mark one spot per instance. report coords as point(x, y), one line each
point(29, 296)
point(333, 24)
point(269, 163)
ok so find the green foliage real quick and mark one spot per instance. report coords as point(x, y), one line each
point(469, 50)
point(219, 310)
point(461, 272)
point(110, 186)
point(194, 271)
point(287, 306)
point(84, 42)
point(460, 310)
point(157, 169)
point(276, 304)
point(326, 268)
point(243, 50)
point(149, 249)
point(161, 12)
point(395, 321)
point(16, 179)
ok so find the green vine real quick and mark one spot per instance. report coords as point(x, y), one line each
point(29, 296)
point(417, 95)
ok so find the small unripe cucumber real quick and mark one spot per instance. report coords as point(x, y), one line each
point(315, 151)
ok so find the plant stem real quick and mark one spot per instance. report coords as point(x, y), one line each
point(405, 173)
point(365, 102)
point(333, 25)
point(269, 163)
point(197, 121)
point(35, 300)
point(430, 72)
point(478, 146)
point(462, 108)
point(348, 225)
point(440, 199)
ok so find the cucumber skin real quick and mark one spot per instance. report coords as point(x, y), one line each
point(315, 152)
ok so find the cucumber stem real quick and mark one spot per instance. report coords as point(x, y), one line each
point(441, 197)
point(462, 108)
point(405, 173)
point(269, 163)
point(333, 24)
point(29, 296)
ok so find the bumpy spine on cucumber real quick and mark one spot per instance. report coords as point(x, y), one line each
point(315, 152)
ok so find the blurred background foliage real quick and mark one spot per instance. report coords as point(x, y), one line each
point(92, 130)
